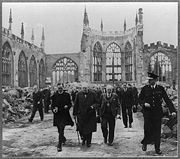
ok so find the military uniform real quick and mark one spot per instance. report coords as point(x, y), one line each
point(154, 95)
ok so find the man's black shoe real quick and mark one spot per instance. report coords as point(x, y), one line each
point(159, 152)
point(83, 142)
point(144, 147)
point(110, 143)
point(105, 140)
point(59, 147)
point(130, 125)
point(30, 120)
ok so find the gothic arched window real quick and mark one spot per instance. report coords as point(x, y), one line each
point(65, 70)
point(97, 62)
point(160, 64)
point(22, 70)
point(6, 64)
point(42, 77)
point(33, 71)
point(113, 63)
point(128, 62)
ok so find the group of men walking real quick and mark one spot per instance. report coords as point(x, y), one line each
point(88, 106)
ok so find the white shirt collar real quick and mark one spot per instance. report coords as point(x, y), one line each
point(154, 86)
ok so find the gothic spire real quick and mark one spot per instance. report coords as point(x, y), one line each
point(10, 20)
point(22, 31)
point(43, 40)
point(101, 25)
point(124, 24)
point(136, 20)
point(32, 37)
point(43, 37)
point(85, 21)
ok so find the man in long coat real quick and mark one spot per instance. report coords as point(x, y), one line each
point(151, 98)
point(37, 103)
point(47, 95)
point(109, 111)
point(127, 102)
point(61, 103)
point(84, 109)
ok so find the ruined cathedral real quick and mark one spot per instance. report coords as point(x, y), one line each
point(104, 57)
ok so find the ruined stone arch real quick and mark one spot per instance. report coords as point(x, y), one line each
point(7, 64)
point(97, 62)
point(161, 64)
point(64, 70)
point(42, 74)
point(113, 62)
point(22, 70)
point(33, 71)
point(128, 61)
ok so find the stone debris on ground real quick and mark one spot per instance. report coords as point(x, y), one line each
point(17, 103)
point(14, 105)
point(39, 139)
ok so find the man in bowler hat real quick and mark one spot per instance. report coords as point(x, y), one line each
point(151, 98)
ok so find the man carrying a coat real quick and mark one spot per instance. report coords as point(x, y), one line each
point(109, 111)
point(61, 103)
point(151, 98)
point(84, 110)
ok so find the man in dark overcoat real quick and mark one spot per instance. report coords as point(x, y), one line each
point(84, 110)
point(47, 95)
point(127, 102)
point(135, 96)
point(109, 111)
point(37, 103)
point(151, 98)
point(61, 103)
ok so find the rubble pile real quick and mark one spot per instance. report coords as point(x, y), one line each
point(169, 123)
point(14, 106)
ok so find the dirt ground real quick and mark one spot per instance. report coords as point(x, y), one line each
point(39, 139)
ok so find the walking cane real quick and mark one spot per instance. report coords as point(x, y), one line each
point(77, 130)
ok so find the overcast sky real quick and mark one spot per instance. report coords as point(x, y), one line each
point(63, 22)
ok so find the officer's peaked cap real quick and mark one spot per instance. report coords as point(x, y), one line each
point(152, 75)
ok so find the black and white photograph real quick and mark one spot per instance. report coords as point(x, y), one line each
point(89, 79)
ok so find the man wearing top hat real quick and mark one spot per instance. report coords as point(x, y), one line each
point(151, 98)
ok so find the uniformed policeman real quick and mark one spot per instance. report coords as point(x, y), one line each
point(151, 98)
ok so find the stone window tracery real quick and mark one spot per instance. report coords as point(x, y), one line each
point(6, 64)
point(41, 74)
point(97, 62)
point(128, 62)
point(65, 70)
point(161, 65)
point(22, 70)
point(33, 71)
point(113, 63)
